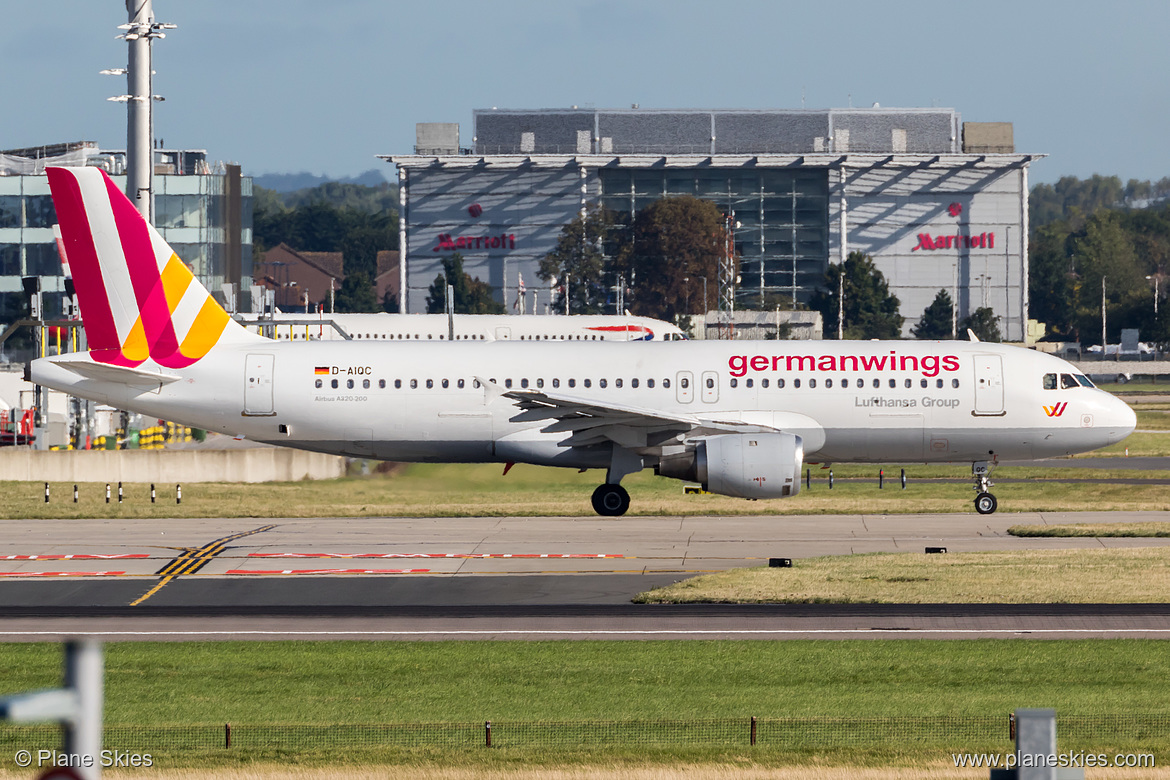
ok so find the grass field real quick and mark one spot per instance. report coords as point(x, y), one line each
point(1128, 530)
point(149, 685)
point(1135, 575)
point(480, 490)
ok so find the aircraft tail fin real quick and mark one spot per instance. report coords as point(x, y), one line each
point(137, 298)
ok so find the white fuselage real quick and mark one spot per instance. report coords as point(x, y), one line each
point(408, 401)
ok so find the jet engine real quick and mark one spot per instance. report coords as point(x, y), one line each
point(744, 465)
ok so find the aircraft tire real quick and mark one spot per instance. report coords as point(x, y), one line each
point(611, 500)
point(985, 504)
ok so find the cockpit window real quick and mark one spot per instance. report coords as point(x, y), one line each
point(1067, 381)
point(1084, 380)
point(1050, 381)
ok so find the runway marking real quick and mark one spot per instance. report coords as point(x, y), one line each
point(73, 557)
point(433, 555)
point(192, 560)
point(61, 573)
point(328, 571)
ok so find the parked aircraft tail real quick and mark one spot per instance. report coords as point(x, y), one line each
point(137, 298)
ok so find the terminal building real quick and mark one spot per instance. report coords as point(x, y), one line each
point(939, 203)
point(205, 215)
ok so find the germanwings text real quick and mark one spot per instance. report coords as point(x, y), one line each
point(929, 365)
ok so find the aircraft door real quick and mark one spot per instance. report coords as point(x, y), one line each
point(258, 385)
point(685, 382)
point(710, 387)
point(988, 385)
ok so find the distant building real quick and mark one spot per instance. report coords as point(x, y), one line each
point(297, 277)
point(204, 214)
point(938, 203)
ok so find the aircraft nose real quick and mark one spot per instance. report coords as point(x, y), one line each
point(1120, 416)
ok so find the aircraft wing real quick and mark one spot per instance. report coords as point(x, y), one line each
point(588, 422)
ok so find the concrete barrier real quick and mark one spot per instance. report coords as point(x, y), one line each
point(257, 464)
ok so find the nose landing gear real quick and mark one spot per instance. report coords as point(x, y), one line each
point(985, 503)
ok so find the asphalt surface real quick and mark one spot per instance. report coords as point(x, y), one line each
point(499, 578)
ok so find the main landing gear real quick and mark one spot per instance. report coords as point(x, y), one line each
point(611, 500)
point(985, 503)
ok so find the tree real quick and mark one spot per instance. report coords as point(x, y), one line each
point(1106, 250)
point(984, 323)
point(871, 311)
point(937, 319)
point(578, 263)
point(671, 241)
point(356, 294)
point(471, 295)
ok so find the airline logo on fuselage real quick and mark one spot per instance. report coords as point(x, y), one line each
point(1056, 411)
point(929, 365)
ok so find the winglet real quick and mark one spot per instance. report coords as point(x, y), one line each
point(971, 335)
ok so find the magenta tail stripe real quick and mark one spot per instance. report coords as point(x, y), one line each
point(83, 261)
point(144, 274)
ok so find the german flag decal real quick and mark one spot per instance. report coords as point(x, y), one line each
point(319, 370)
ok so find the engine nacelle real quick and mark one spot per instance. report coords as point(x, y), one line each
point(744, 465)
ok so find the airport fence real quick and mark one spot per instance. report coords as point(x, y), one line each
point(798, 734)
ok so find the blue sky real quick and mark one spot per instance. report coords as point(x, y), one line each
point(303, 85)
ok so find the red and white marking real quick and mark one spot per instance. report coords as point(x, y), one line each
point(432, 555)
point(329, 571)
point(61, 573)
point(74, 557)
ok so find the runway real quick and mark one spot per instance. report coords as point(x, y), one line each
point(499, 578)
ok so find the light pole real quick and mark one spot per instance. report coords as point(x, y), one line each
point(1155, 278)
point(1104, 341)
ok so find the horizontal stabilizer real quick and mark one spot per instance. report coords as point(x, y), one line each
point(104, 372)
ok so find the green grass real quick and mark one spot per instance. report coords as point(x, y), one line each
point(395, 682)
point(1093, 576)
point(1126, 530)
point(151, 685)
point(430, 490)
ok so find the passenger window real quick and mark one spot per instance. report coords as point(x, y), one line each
point(333, 384)
point(796, 383)
point(954, 383)
point(1050, 381)
point(748, 382)
point(556, 383)
point(540, 383)
point(431, 384)
point(319, 383)
point(893, 383)
point(446, 384)
point(687, 383)
point(634, 383)
point(414, 384)
point(734, 382)
point(365, 384)
point(763, 383)
point(601, 383)
point(524, 383)
point(1067, 381)
point(508, 383)
point(877, 383)
point(925, 383)
point(397, 384)
point(381, 384)
point(779, 383)
point(812, 383)
point(666, 383)
point(460, 384)
point(588, 383)
point(710, 383)
point(938, 383)
point(828, 383)
point(572, 383)
point(649, 383)
point(909, 383)
point(617, 382)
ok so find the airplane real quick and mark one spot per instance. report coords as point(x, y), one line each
point(739, 417)
point(468, 327)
